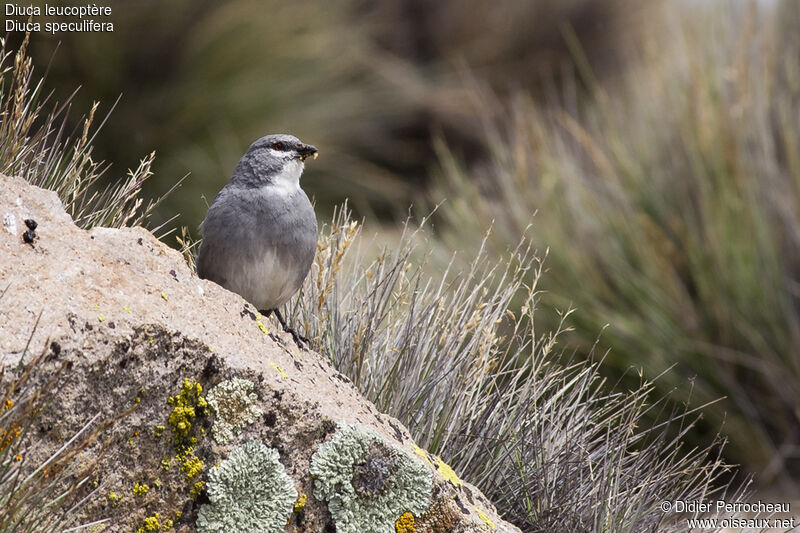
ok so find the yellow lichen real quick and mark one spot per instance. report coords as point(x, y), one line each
point(186, 406)
point(140, 489)
point(483, 516)
point(261, 325)
point(421, 453)
point(114, 498)
point(150, 524)
point(196, 489)
point(283, 374)
point(300, 504)
point(101, 318)
point(448, 473)
point(167, 525)
point(405, 524)
point(126, 309)
point(192, 467)
point(164, 296)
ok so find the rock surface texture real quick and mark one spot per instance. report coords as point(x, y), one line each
point(228, 429)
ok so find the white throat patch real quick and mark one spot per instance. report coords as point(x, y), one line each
point(287, 180)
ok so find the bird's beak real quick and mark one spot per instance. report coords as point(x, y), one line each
point(307, 150)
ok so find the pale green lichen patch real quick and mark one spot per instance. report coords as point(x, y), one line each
point(249, 492)
point(235, 405)
point(367, 482)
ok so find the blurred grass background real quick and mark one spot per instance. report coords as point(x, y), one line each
point(658, 144)
point(367, 82)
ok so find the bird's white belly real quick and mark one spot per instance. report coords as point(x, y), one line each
point(266, 283)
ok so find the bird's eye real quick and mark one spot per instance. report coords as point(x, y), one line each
point(279, 146)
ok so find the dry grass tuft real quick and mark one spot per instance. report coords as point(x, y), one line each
point(40, 497)
point(543, 437)
point(35, 145)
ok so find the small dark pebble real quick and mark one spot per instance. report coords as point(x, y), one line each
point(32, 225)
point(211, 368)
point(201, 499)
point(328, 427)
point(470, 496)
point(397, 433)
point(461, 506)
point(29, 236)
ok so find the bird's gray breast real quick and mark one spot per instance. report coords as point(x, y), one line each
point(259, 243)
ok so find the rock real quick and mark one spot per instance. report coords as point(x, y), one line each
point(226, 425)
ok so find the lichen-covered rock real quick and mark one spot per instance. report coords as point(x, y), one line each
point(159, 356)
point(235, 405)
point(368, 483)
point(249, 492)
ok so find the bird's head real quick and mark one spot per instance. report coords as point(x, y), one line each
point(276, 159)
point(282, 146)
